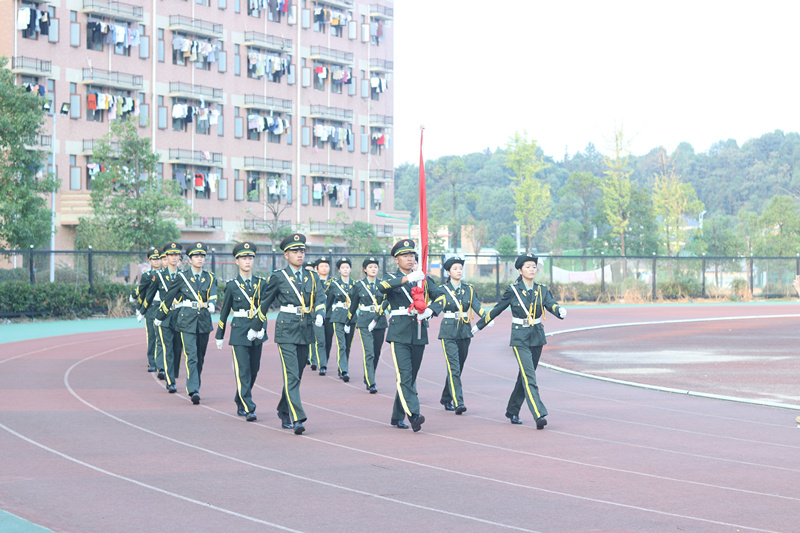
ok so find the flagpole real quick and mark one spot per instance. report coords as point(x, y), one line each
point(423, 223)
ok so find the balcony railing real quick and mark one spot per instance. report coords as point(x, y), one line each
point(96, 76)
point(267, 165)
point(382, 175)
point(113, 9)
point(381, 12)
point(30, 65)
point(265, 226)
point(89, 146)
point(381, 120)
point(45, 141)
point(333, 113)
point(199, 221)
point(267, 42)
point(331, 56)
point(268, 103)
point(196, 157)
point(190, 90)
point(330, 171)
point(341, 4)
point(331, 228)
point(195, 26)
point(381, 65)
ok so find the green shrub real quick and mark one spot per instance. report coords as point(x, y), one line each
point(59, 299)
point(14, 274)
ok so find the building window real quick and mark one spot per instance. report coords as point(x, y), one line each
point(177, 53)
point(237, 64)
point(161, 45)
point(222, 189)
point(179, 114)
point(94, 36)
point(253, 179)
point(321, 74)
point(74, 174)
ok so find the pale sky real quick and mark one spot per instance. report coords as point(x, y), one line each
point(475, 71)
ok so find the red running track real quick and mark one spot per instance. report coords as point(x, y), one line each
point(92, 443)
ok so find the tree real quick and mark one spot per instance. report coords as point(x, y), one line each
point(274, 203)
point(532, 197)
point(25, 218)
point(780, 225)
point(585, 187)
point(717, 239)
point(361, 237)
point(673, 201)
point(616, 189)
point(128, 197)
point(452, 173)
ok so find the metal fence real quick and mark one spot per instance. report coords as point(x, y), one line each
point(587, 278)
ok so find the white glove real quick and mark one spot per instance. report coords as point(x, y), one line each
point(318, 321)
point(139, 316)
point(371, 326)
point(211, 308)
point(219, 344)
point(562, 313)
point(346, 329)
point(252, 335)
point(131, 299)
point(415, 276)
point(157, 323)
point(260, 334)
point(490, 324)
point(474, 330)
point(427, 313)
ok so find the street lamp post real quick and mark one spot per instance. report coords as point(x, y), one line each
point(63, 111)
point(409, 220)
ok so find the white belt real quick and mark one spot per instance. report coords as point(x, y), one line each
point(400, 311)
point(448, 314)
point(244, 313)
point(188, 303)
point(293, 309)
point(338, 305)
point(157, 297)
point(524, 321)
point(368, 308)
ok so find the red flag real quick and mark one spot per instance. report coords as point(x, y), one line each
point(423, 209)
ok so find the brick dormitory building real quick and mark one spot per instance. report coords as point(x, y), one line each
point(250, 104)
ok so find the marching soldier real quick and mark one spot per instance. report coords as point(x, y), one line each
point(194, 292)
point(407, 344)
point(242, 298)
point(459, 301)
point(368, 302)
point(321, 349)
point(528, 301)
point(168, 345)
point(302, 307)
point(337, 300)
point(154, 258)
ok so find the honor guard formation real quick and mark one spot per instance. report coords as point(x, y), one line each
point(319, 313)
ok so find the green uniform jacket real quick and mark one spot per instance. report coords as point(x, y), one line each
point(147, 279)
point(238, 299)
point(465, 302)
point(337, 294)
point(292, 328)
point(361, 294)
point(535, 302)
point(157, 289)
point(402, 326)
point(184, 289)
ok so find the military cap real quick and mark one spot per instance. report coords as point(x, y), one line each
point(153, 253)
point(403, 247)
point(308, 265)
point(196, 248)
point(244, 249)
point(293, 241)
point(369, 261)
point(524, 258)
point(172, 248)
point(452, 261)
point(343, 260)
point(323, 259)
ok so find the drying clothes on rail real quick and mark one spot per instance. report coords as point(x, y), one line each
point(196, 51)
point(37, 88)
point(379, 85)
point(270, 65)
point(115, 105)
point(333, 134)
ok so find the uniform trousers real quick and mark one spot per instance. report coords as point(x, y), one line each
point(246, 364)
point(152, 336)
point(526, 389)
point(318, 355)
point(328, 340)
point(407, 360)
point(170, 349)
point(371, 343)
point(455, 351)
point(293, 361)
point(194, 348)
point(342, 342)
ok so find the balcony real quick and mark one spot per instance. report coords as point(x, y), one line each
point(330, 228)
point(203, 223)
point(380, 65)
point(267, 42)
point(329, 55)
point(265, 226)
point(73, 206)
point(44, 143)
point(260, 164)
point(89, 146)
point(268, 103)
point(180, 89)
point(106, 78)
point(31, 66)
point(381, 175)
point(330, 171)
point(195, 26)
point(195, 157)
point(378, 11)
point(331, 113)
point(341, 4)
point(113, 9)
point(380, 121)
